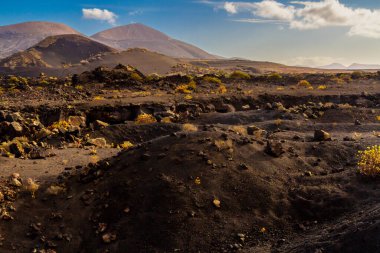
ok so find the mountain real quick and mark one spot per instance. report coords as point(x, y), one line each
point(60, 51)
point(141, 36)
point(333, 66)
point(358, 66)
point(19, 37)
point(354, 66)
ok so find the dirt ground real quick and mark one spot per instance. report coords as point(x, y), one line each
point(240, 171)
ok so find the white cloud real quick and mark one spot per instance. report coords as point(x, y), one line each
point(307, 15)
point(98, 14)
point(230, 8)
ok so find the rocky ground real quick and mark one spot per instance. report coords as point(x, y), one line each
point(107, 162)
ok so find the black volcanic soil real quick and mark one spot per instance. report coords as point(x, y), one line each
point(216, 189)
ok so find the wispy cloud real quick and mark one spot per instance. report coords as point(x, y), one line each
point(99, 14)
point(307, 15)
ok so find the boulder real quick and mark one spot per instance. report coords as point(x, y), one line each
point(252, 129)
point(16, 129)
point(16, 116)
point(77, 121)
point(16, 149)
point(98, 142)
point(321, 135)
point(98, 124)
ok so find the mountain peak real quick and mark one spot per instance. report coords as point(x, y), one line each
point(39, 27)
point(141, 36)
point(18, 37)
point(136, 31)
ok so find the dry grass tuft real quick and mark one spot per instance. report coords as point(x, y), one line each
point(189, 127)
point(242, 130)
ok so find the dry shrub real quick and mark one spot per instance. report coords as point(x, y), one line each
point(278, 122)
point(242, 130)
point(188, 97)
point(222, 89)
point(94, 159)
point(55, 190)
point(166, 120)
point(344, 106)
point(126, 145)
point(59, 124)
point(98, 98)
point(189, 127)
point(369, 161)
point(186, 88)
point(145, 119)
point(224, 145)
point(304, 83)
point(338, 81)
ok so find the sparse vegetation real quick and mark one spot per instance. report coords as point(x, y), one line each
point(98, 98)
point(222, 89)
point(145, 119)
point(126, 145)
point(369, 161)
point(304, 83)
point(274, 77)
point(189, 127)
point(357, 74)
point(136, 77)
point(59, 124)
point(186, 88)
point(239, 129)
point(212, 79)
point(240, 75)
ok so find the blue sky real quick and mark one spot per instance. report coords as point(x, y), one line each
point(298, 34)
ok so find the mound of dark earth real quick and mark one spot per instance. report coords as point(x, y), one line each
point(214, 190)
point(19, 37)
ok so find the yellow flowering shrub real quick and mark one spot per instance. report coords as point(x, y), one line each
point(304, 83)
point(145, 119)
point(369, 161)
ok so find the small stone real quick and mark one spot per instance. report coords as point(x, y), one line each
point(108, 238)
point(216, 203)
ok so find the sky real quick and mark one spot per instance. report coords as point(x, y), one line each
point(308, 33)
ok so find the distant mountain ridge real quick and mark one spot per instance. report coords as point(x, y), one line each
point(354, 66)
point(19, 37)
point(141, 36)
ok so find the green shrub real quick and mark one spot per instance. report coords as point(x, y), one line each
point(212, 79)
point(274, 77)
point(357, 74)
point(240, 75)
